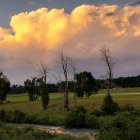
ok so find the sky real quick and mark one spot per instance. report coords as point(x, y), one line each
point(38, 30)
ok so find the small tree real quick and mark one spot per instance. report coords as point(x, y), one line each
point(4, 87)
point(85, 84)
point(44, 70)
point(44, 94)
point(31, 87)
point(109, 106)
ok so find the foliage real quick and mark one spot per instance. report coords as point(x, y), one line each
point(128, 81)
point(44, 94)
point(98, 113)
point(123, 82)
point(124, 126)
point(31, 87)
point(91, 121)
point(80, 117)
point(109, 106)
point(75, 118)
point(52, 88)
point(17, 89)
point(4, 87)
point(85, 84)
point(36, 87)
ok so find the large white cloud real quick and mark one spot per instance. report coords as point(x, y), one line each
point(44, 33)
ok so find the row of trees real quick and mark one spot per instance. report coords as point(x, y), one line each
point(83, 83)
point(123, 82)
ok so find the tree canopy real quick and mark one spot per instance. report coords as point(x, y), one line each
point(4, 87)
point(85, 84)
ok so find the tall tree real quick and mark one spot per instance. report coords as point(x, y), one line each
point(64, 64)
point(85, 84)
point(109, 62)
point(4, 87)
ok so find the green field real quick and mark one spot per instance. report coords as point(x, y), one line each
point(121, 95)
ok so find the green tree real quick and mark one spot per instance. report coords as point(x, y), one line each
point(37, 87)
point(85, 84)
point(109, 106)
point(31, 87)
point(44, 94)
point(4, 87)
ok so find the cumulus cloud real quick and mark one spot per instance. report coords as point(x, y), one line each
point(80, 33)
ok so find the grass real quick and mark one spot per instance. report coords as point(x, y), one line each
point(55, 108)
point(122, 90)
point(121, 95)
point(17, 98)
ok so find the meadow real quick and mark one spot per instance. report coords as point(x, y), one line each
point(18, 109)
point(20, 102)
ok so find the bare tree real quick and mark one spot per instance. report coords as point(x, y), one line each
point(109, 61)
point(64, 64)
point(74, 69)
point(44, 70)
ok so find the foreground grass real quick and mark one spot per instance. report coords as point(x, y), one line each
point(8, 132)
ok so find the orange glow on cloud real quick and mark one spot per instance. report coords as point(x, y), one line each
point(83, 32)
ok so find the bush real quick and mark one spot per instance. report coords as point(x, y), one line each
point(75, 118)
point(79, 117)
point(123, 126)
point(109, 106)
point(2, 115)
point(91, 121)
point(18, 116)
point(98, 113)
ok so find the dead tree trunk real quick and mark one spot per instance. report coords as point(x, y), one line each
point(109, 61)
point(64, 62)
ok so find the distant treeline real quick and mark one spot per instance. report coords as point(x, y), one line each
point(123, 82)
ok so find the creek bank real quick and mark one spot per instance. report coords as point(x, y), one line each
point(78, 132)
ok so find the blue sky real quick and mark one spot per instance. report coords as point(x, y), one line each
point(9, 8)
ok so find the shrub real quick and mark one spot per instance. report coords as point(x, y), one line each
point(123, 126)
point(18, 116)
point(2, 115)
point(91, 121)
point(98, 113)
point(109, 106)
point(75, 118)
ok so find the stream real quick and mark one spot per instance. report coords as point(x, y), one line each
point(78, 132)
